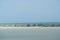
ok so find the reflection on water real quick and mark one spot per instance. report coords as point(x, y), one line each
point(30, 33)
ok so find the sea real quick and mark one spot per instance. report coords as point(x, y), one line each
point(30, 33)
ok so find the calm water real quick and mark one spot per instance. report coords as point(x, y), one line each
point(30, 33)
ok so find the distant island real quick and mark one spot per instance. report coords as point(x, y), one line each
point(47, 24)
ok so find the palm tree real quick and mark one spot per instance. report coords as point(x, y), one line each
point(52, 25)
point(39, 24)
point(34, 25)
point(28, 25)
point(58, 24)
point(15, 25)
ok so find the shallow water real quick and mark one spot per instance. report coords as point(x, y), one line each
point(42, 33)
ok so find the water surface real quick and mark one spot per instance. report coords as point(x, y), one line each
point(42, 33)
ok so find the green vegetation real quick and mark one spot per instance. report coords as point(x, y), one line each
point(32, 25)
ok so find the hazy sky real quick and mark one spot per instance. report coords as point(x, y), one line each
point(26, 11)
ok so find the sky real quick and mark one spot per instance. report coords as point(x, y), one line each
point(29, 11)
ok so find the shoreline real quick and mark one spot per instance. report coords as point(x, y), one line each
point(28, 27)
